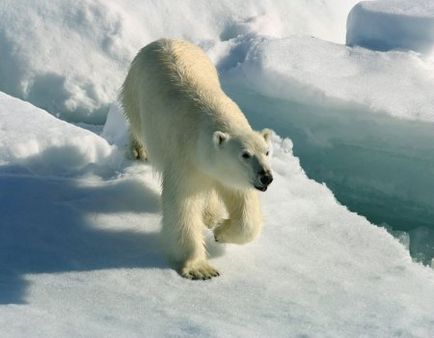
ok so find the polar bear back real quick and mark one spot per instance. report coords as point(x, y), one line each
point(171, 94)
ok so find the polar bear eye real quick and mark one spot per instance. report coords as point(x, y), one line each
point(267, 153)
point(246, 155)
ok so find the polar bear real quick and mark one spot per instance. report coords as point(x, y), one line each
point(211, 161)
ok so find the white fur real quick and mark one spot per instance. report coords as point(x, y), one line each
point(194, 135)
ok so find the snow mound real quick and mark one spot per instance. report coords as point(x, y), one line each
point(84, 255)
point(392, 24)
point(42, 144)
point(312, 70)
point(70, 57)
point(115, 129)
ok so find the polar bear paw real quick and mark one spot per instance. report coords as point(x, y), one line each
point(198, 270)
point(137, 151)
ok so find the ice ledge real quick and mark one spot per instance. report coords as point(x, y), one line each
point(392, 24)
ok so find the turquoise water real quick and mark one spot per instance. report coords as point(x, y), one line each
point(378, 166)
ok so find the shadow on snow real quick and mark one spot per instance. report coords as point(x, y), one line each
point(46, 225)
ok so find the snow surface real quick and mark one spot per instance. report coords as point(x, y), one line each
point(28, 132)
point(79, 223)
point(79, 252)
point(396, 83)
point(70, 57)
point(392, 24)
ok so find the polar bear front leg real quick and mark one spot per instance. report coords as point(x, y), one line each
point(245, 218)
point(182, 229)
point(214, 211)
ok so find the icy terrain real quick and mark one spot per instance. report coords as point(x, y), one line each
point(396, 83)
point(70, 57)
point(79, 253)
point(365, 126)
point(80, 257)
point(392, 24)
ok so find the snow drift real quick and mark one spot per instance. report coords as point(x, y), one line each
point(314, 71)
point(361, 121)
point(38, 142)
point(70, 57)
point(91, 240)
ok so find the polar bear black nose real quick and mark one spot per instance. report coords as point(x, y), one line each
point(266, 177)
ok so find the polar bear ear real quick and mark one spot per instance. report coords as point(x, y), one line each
point(219, 138)
point(266, 134)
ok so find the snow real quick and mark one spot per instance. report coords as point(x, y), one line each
point(392, 24)
point(70, 57)
point(27, 132)
point(362, 121)
point(396, 83)
point(414, 8)
point(115, 129)
point(81, 89)
point(79, 253)
point(79, 223)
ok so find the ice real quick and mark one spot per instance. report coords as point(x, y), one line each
point(392, 24)
point(79, 254)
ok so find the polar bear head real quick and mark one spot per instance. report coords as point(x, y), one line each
point(241, 160)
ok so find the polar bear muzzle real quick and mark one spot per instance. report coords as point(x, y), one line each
point(265, 178)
